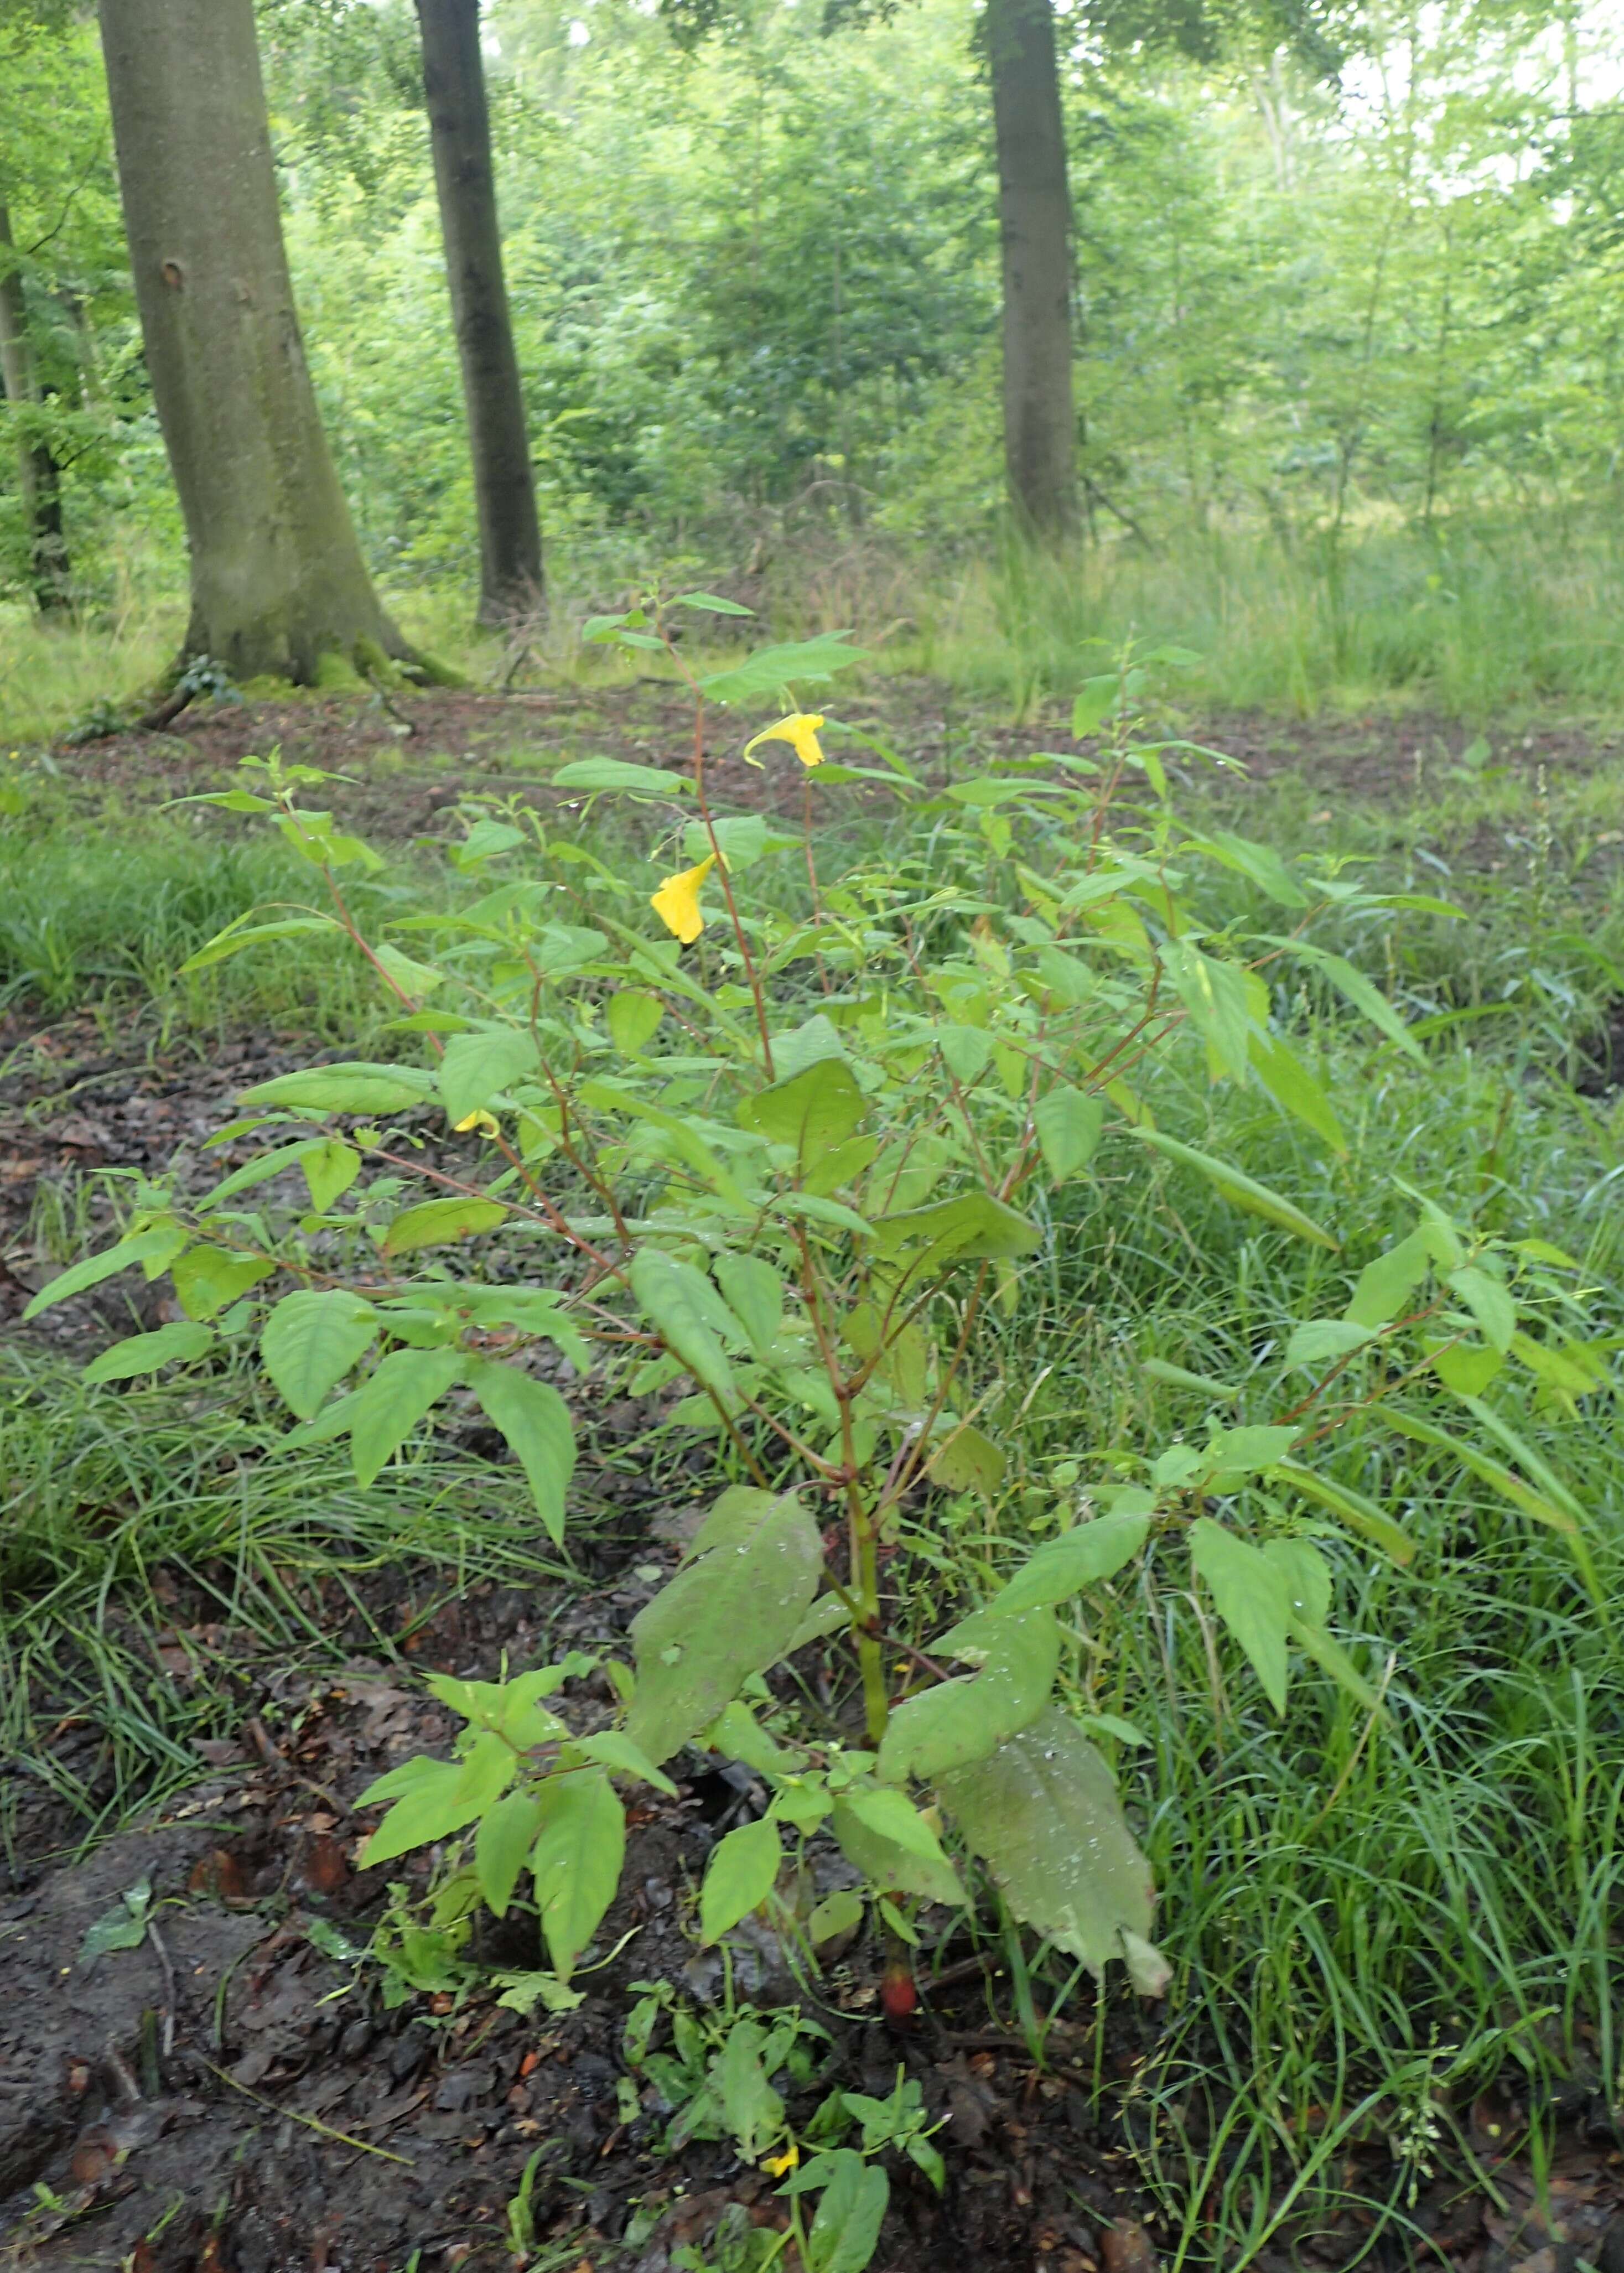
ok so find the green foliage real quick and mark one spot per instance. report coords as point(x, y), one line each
point(810, 1202)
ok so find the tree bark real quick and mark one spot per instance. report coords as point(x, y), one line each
point(510, 574)
point(38, 476)
point(1034, 213)
point(277, 577)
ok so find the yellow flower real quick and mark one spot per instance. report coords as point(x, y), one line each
point(484, 1123)
point(799, 731)
point(676, 903)
point(776, 2165)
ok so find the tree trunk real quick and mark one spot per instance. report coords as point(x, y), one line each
point(277, 577)
point(504, 488)
point(38, 476)
point(1034, 213)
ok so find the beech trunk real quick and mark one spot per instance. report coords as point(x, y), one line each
point(38, 476)
point(1034, 213)
point(511, 572)
point(277, 577)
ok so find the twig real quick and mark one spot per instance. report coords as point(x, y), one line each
point(271, 2106)
point(154, 721)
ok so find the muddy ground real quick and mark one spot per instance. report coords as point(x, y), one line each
point(235, 2095)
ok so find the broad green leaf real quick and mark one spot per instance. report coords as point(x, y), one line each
point(1490, 1302)
point(1237, 1186)
point(1350, 1507)
point(772, 669)
point(412, 978)
point(388, 1407)
point(618, 773)
point(741, 837)
point(235, 938)
point(836, 1914)
point(208, 1279)
point(813, 1110)
point(121, 1927)
point(1562, 1370)
point(1294, 1088)
point(886, 1862)
point(613, 1749)
point(1261, 862)
point(966, 1460)
point(1307, 1577)
point(851, 2211)
point(1042, 1814)
point(1215, 994)
point(742, 1874)
point(679, 1303)
point(1321, 1342)
point(330, 1167)
point(477, 1067)
point(633, 1017)
point(1068, 1123)
point(537, 1311)
point(711, 604)
point(535, 1421)
point(1250, 1595)
point(1358, 990)
point(975, 1225)
point(730, 1613)
point(963, 1720)
point(438, 1223)
point(429, 1805)
point(312, 1339)
point(577, 1860)
point(753, 1293)
point(1385, 1284)
point(965, 1050)
point(502, 1845)
point(1096, 701)
point(1236, 1452)
point(1079, 1557)
point(1466, 1367)
point(891, 1816)
point(736, 1515)
point(146, 1353)
point(355, 1087)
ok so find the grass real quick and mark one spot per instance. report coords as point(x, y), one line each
point(1485, 622)
point(1371, 1917)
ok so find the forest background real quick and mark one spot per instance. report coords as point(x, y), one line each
point(1350, 381)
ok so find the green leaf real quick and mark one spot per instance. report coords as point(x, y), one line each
point(1466, 1367)
point(437, 1223)
point(1294, 1088)
point(1250, 1595)
point(618, 773)
point(1350, 1507)
point(1543, 1508)
point(730, 1613)
point(742, 1874)
point(235, 937)
point(312, 1339)
point(741, 837)
point(167, 1239)
point(502, 1845)
point(975, 1225)
point(123, 1927)
point(535, 1421)
point(851, 2211)
point(711, 604)
point(1320, 1341)
point(1237, 1187)
point(751, 2108)
point(1233, 1453)
point(966, 1460)
point(962, 1720)
point(813, 1110)
point(681, 1304)
point(146, 1353)
point(1042, 1814)
point(1215, 994)
point(330, 1167)
point(1354, 988)
point(577, 1860)
point(632, 1019)
point(1385, 1284)
point(887, 1864)
point(891, 1816)
point(1079, 1557)
point(772, 669)
point(208, 1279)
point(967, 1050)
point(835, 1915)
point(753, 1292)
point(390, 1405)
point(477, 1067)
point(613, 1749)
point(430, 1804)
point(354, 1087)
point(1096, 701)
point(1068, 1122)
point(1489, 1302)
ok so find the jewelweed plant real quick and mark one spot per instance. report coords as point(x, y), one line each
point(780, 1156)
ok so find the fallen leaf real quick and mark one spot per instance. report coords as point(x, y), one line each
point(1125, 2248)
